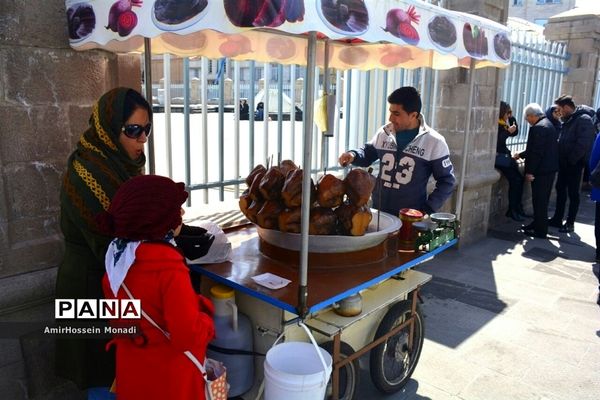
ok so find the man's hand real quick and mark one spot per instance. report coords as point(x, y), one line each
point(512, 128)
point(516, 156)
point(346, 158)
point(529, 177)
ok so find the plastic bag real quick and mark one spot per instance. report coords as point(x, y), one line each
point(216, 380)
point(220, 250)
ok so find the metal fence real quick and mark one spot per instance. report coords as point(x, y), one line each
point(534, 76)
point(218, 149)
point(177, 92)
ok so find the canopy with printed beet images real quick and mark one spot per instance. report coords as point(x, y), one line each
point(364, 34)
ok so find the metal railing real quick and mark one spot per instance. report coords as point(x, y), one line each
point(215, 150)
point(535, 76)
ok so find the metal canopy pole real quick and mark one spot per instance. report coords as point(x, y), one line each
point(329, 132)
point(463, 168)
point(148, 94)
point(306, 167)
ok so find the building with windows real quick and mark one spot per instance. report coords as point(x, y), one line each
point(538, 11)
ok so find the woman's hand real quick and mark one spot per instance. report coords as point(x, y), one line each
point(529, 177)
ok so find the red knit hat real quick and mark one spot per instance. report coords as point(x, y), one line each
point(145, 207)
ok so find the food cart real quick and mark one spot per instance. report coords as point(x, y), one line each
point(349, 34)
point(390, 324)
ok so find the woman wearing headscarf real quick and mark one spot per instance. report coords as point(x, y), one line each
point(553, 115)
point(142, 262)
point(511, 171)
point(108, 153)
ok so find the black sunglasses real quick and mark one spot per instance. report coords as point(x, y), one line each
point(135, 131)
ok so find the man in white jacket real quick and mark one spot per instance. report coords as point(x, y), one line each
point(409, 152)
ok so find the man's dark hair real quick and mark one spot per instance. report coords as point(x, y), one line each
point(408, 97)
point(133, 100)
point(565, 100)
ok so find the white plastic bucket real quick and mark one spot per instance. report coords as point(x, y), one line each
point(296, 371)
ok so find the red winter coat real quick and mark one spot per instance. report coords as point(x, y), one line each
point(159, 369)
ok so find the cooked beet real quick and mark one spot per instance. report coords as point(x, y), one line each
point(127, 21)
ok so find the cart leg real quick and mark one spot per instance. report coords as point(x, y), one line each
point(335, 377)
point(413, 311)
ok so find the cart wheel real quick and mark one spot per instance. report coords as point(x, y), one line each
point(392, 363)
point(348, 374)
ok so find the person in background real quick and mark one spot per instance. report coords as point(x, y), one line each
point(510, 172)
point(409, 152)
point(585, 184)
point(553, 115)
point(259, 114)
point(585, 180)
point(595, 196)
point(541, 164)
point(574, 145)
point(244, 110)
point(512, 121)
point(108, 153)
point(142, 262)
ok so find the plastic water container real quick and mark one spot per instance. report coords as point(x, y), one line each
point(234, 332)
point(297, 371)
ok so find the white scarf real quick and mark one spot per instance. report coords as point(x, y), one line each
point(119, 258)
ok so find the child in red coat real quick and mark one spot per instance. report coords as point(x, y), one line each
point(144, 216)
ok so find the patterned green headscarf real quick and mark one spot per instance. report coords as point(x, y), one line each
point(100, 164)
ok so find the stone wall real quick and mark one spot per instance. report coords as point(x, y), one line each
point(480, 174)
point(580, 28)
point(46, 94)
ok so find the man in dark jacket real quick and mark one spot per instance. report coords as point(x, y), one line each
point(541, 164)
point(574, 146)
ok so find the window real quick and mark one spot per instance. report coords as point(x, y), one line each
point(517, 3)
point(548, 2)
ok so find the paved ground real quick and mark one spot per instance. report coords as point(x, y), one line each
point(510, 317)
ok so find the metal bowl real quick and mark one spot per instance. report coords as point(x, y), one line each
point(442, 217)
point(425, 225)
point(335, 243)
